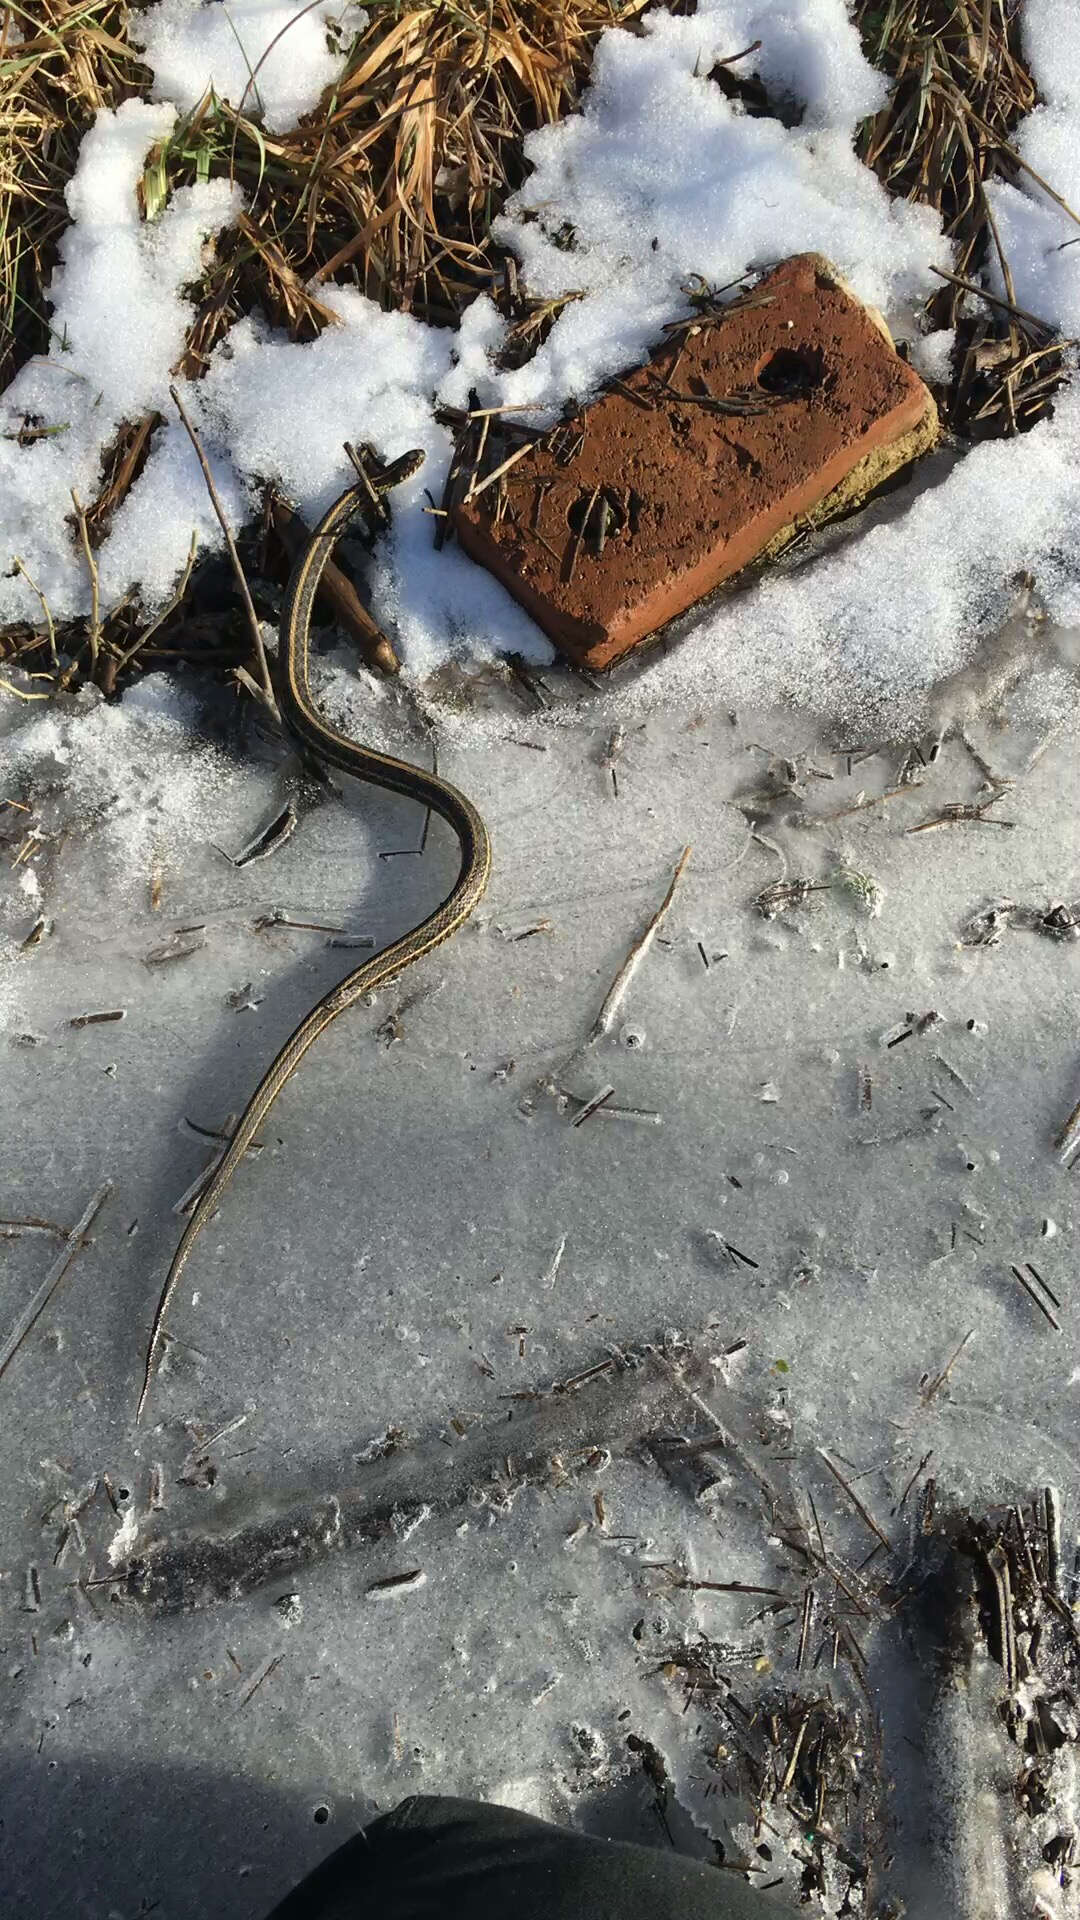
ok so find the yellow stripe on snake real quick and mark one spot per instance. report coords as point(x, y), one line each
point(364, 763)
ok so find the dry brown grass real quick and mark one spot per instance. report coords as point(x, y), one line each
point(960, 88)
point(393, 183)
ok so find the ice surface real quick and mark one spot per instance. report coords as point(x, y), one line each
point(389, 1257)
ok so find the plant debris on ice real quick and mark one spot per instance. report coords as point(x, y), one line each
point(755, 1074)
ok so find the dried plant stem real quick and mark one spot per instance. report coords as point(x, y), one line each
point(40, 1300)
point(862, 1510)
point(150, 631)
point(94, 635)
point(32, 583)
point(266, 688)
point(617, 991)
point(992, 299)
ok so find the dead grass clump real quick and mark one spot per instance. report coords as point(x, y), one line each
point(960, 88)
point(394, 182)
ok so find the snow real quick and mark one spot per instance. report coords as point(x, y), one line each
point(133, 772)
point(118, 318)
point(271, 61)
point(658, 178)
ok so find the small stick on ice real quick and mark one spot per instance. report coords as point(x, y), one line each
point(940, 1379)
point(727, 1586)
point(592, 1105)
point(921, 1468)
point(1069, 1137)
point(616, 993)
point(555, 1263)
point(862, 1510)
point(957, 1076)
point(188, 1199)
point(981, 761)
point(808, 1608)
point(611, 754)
point(278, 917)
point(14, 1229)
point(267, 690)
point(1047, 1313)
point(267, 1668)
point(40, 1300)
point(958, 811)
point(1052, 1517)
point(396, 1584)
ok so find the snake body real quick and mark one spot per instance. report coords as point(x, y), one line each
point(364, 763)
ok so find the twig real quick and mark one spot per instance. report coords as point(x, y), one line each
point(809, 1604)
point(789, 1773)
point(616, 993)
point(31, 582)
point(940, 1379)
point(268, 839)
point(264, 1673)
point(953, 1073)
point(592, 1105)
point(555, 1263)
point(94, 635)
point(958, 810)
point(129, 655)
point(40, 1300)
point(396, 1584)
point(1052, 1518)
point(728, 1586)
point(497, 472)
point(993, 299)
point(267, 689)
point(12, 1229)
point(1069, 1137)
point(188, 1199)
point(1034, 1297)
point(863, 1511)
point(575, 547)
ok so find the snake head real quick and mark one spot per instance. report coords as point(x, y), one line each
point(403, 467)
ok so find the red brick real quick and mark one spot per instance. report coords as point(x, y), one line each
point(695, 493)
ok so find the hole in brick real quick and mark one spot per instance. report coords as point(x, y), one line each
point(789, 371)
point(586, 516)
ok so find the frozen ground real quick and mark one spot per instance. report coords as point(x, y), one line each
point(391, 1257)
point(860, 1103)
